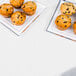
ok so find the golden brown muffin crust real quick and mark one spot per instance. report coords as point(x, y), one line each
point(63, 22)
point(18, 18)
point(6, 10)
point(16, 3)
point(67, 8)
point(29, 7)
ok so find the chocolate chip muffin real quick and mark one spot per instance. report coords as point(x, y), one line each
point(63, 22)
point(16, 3)
point(18, 18)
point(74, 27)
point(67, 8)
point(29, 7)
point(6, 10)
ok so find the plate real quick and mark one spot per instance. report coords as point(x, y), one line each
point(52, 26)
point(18, 30)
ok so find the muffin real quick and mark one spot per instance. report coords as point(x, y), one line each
point(29, 7)
point(74, 27)
point(18, 18)
point(6, 10)
point(63, 22)
point(16, 3)
point(68, 9)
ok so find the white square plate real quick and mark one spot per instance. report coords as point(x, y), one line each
point(29, 19)
point(52, 26)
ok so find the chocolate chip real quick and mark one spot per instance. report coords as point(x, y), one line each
point(65, 25)
point(67, 9)
point(21, 17)
point(57, 21)
point(65, 21)
point(0, 7)
point(73, 8)
point(69, 12)
point(6, 9)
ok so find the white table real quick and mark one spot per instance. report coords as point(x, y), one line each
point(36, 52)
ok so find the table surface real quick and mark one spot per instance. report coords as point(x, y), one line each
point(36, 52)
